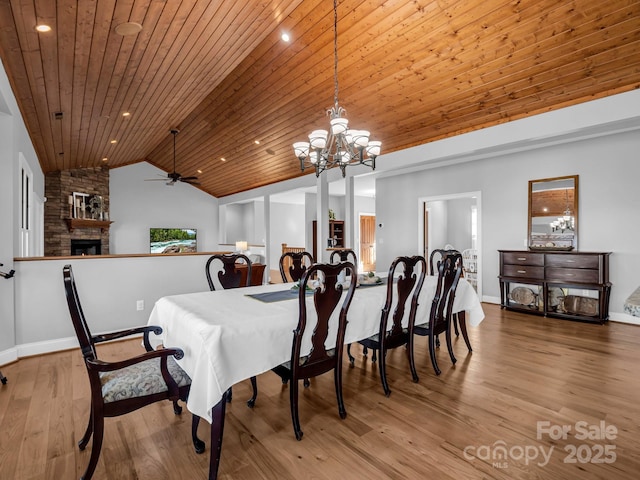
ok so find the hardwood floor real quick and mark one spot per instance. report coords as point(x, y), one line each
point(524, 370)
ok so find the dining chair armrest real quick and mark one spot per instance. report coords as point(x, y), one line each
point(105, 337)
point(102, 366)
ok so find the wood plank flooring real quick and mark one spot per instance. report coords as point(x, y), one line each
point(478, 419)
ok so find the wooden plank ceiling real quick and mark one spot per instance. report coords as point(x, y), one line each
point(410, 71)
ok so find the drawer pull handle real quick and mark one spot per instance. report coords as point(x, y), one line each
point(569, 274)
point(570, 261)
point(522, 271)
point(522, 258)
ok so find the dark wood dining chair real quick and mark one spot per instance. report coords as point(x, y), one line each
point(228, 273)
point(436, 256)
point(230, 276)
point(328, 297)
point(449, 270)
point(293, 265)
point(403, 294)
point(344, 255)
point(127, 385)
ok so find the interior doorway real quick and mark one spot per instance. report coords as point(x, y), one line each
point(452, 221)
point(368, 242)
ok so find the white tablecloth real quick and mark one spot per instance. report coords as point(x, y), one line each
point(228, 336)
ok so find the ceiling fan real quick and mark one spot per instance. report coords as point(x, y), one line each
point(174, 176)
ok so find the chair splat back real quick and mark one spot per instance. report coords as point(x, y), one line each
point(409, 283)
point(326, 298)
point(294, 264)
point(228, 275)
point(344, 255)
point(438, 255)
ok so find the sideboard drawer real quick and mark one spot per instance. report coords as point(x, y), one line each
point(572, 261)
point(523, 258)
point(580, 275)
point(524, 271)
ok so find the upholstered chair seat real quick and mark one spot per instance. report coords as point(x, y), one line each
point(140, 379)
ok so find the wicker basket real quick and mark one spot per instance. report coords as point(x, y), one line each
point(578, 305)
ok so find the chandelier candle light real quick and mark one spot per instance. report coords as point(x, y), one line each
point(566, 222)
point(340, 146)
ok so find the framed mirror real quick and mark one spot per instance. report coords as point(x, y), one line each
point(553, 213)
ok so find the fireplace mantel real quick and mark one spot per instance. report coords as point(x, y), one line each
point(74, 223)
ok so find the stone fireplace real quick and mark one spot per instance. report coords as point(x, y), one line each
point(60, 228)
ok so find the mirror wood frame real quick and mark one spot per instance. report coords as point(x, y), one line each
point(555, 212)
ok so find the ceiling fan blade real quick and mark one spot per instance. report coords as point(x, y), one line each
point(190, 182)
point(188, 178)
point(155, 179)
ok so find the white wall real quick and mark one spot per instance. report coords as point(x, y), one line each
point(608, 201)
point(137, 205)
point(14, 142)
point(287, 226)
point(109, 289)
point(459, 222)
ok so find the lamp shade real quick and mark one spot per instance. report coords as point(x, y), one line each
point(373, 149)
point(241, 246)
point(339, 125)
point(301, 149)
point(318, 139)
point(360, 138)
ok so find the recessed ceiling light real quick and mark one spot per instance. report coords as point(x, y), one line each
point(43, 28)
point(105, 159)
point(126, 114)
point(285, 37)
point(114, 141)
point(199, 171)
point(222, 159)
point(257, 142)
point(128, 28)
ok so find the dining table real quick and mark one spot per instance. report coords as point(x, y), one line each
point(232, 335)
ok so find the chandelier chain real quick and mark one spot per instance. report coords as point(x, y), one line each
point(335, 52)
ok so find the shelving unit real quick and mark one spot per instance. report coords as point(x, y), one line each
point(470, 266)
point(336, 232)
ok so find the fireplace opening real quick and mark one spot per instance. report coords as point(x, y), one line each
point(86, 247)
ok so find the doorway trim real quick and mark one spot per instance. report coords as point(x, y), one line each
point(453, 196)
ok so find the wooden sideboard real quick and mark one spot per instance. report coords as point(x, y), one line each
point(257, 273)
point(570, 285)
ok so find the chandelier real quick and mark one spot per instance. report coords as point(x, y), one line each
point(340, 146)
point(566, 222)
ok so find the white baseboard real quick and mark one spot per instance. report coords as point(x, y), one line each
point(8, 356)
point(37, 348)
point(48, 346)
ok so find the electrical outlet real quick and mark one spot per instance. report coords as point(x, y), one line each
point(140, 305)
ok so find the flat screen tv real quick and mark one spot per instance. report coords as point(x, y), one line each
point(172, 240)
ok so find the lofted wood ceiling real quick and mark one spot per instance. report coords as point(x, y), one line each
point(410, 71)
